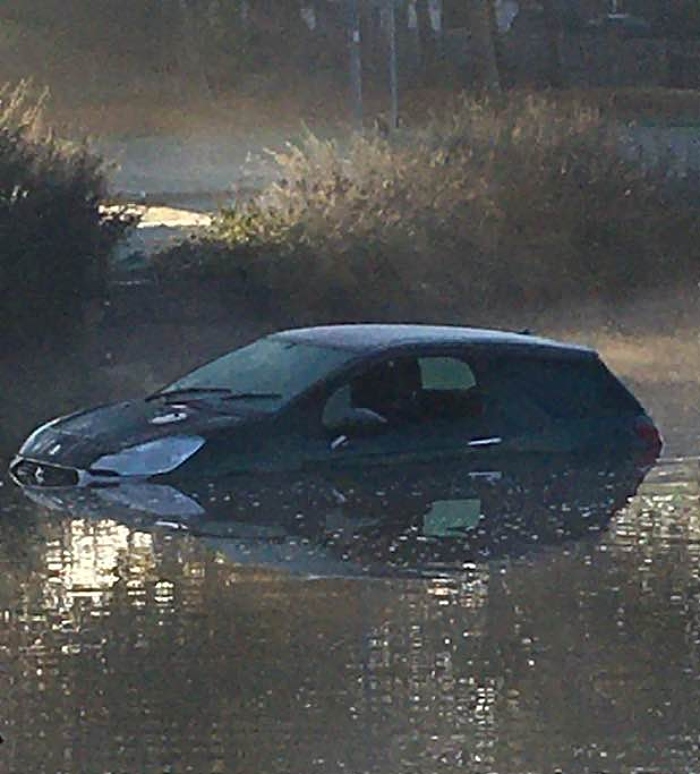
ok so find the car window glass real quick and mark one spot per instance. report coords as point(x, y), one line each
point(560, 389)
point(337, 407)
point(406, 390)
point(448, 389)
point(268, 366)
point(445, 373)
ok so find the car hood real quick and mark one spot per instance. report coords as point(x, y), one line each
point(78, 439)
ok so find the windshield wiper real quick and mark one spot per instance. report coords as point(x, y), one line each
point(188, 391)
point(181, 393)
point(244, 395)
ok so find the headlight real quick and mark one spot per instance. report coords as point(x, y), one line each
point(152, 457)
point(29, 443)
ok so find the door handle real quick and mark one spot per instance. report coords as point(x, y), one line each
point(339, 442)
point(493, 441)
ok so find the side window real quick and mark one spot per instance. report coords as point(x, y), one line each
point(448, 389)
point(534, 390)
point(581, 389)
point(445, 373)
point(389, 388)
point(407, 390)
point(337, 408)
point(387, 391)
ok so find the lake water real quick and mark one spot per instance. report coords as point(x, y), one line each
point(125, 649)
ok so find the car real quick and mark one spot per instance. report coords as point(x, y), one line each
point(347, 398)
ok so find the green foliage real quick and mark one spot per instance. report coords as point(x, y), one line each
point(254, 226)
point(490, 203)
point(54, 237)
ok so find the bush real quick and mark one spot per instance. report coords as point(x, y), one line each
point(489, 204)
point(54, 237)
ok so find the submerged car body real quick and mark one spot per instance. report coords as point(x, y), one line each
point(346, 396)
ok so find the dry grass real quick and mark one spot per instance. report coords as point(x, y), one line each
point(492, 203)
point(657, 105)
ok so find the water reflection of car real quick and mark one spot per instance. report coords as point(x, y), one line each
point(346, 397)
point(417, 518)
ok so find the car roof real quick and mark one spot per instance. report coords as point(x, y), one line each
point(375, 337)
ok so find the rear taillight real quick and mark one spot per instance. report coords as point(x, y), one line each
point(647, 432)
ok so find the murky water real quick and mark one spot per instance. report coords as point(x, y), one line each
point(126, 649)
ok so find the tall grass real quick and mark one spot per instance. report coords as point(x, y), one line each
point(490, 202)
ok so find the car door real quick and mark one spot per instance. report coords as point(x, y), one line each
point(418, 407)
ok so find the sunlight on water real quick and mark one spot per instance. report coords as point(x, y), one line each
point(83, 564)
point(153, 651)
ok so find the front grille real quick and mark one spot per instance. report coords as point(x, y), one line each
point(31, 473)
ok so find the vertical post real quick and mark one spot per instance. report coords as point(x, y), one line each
point(483, 37)
point(393, 73)
point(244, 11)
point(355, 60)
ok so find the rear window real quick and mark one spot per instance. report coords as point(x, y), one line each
point(562, 388)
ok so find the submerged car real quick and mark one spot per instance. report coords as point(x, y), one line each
point(343, 397)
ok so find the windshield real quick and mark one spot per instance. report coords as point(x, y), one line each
point(269, 370)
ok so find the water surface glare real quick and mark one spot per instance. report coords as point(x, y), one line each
point(125, 650)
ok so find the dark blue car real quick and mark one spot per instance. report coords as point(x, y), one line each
point(347, 397)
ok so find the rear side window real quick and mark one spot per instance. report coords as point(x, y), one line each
point(562, 388)
point(445, 373)
point(448, 389)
